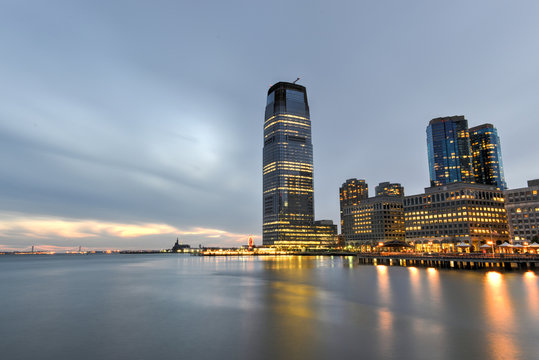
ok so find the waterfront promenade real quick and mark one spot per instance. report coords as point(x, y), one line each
point(469, 261)
point(453, 260)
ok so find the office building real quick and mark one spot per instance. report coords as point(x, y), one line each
point(458, 212)
point(288, 204)
point(449, 153)
point(487, 156)
point(389, 189)
point(523, 212)
point(352, 192)
point(373, 220)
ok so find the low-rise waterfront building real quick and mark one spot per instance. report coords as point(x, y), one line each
point(322, 233)
point(458, 212)
point(374, 220)
point(522, 207)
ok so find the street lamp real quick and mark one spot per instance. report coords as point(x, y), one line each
point(491, 243)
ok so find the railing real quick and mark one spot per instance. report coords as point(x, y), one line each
point(453, 256)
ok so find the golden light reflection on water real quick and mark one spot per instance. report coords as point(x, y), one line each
point(284, 262)
point(385, 332)
point(530, 282)
point(385, 316)
point(294, 306)
point(415, 281)
point(384, 290)
point(433, 278)
point(294, 299)
point(500, 317)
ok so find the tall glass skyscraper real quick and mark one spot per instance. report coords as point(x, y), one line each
point(448, 143)
point(288, 204)
point(487, 156)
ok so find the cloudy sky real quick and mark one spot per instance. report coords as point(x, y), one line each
point(125, 124)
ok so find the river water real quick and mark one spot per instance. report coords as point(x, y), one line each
point(168, 306)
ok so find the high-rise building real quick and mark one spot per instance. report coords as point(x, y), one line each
point(523, 212)
point(487, 156)
point(352, 192)
point(389, 189)
point(288, 204)
point(448, 143)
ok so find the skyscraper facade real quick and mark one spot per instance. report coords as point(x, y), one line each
point(288, 205)
point(450, 158)
point(487, 156)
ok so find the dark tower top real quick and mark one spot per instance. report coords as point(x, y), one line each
point(289, 98)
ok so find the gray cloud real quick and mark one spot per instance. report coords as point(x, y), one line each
point(152, 112)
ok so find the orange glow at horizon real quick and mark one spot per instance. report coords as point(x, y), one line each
point(46, 227)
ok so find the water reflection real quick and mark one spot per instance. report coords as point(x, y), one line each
point(270, 307)
point(436, 300)
point(415, 284)
point(385, 338)
point(283, 262)
point(500, 317)
point(384, 290)
point(293, 299)
point(292, 311)
point(530, 283)
point(384, 315)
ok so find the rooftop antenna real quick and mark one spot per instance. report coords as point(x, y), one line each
point(295, 81)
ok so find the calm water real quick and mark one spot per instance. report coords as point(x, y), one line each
point(184, 307)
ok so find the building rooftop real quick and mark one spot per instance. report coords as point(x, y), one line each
point(447, 118)
point(483, 126)
point(286, 85)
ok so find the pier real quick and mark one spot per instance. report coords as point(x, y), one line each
point(454, 261)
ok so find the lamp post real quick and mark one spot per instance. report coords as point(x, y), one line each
point(491, 243)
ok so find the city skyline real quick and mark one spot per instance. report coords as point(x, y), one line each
point(126, 125)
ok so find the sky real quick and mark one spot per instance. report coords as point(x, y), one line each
point(126, 124)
